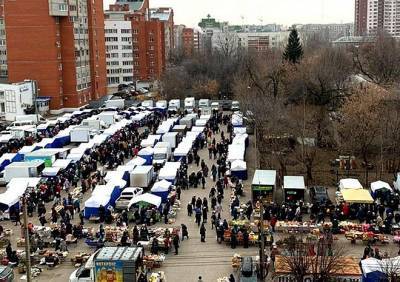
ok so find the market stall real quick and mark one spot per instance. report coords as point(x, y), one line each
point(169, 171)
point(380, 186)
point(239, 169)
point(145, 200)
point(147, 154)
point(161, 189)
point(263, 185)
point(359, 196)
point(294, 188)
point(349, 183)
point(376, 270)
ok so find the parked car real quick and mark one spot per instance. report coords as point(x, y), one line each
point(318, 194)
point(130, 192)
point(226, 105)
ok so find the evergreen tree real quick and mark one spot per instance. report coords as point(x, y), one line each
point(294, 50)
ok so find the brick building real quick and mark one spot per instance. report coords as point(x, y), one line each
point(148, 38)
point(188, 41)
point(58, 44)
point(166, 15)
point(374, 16)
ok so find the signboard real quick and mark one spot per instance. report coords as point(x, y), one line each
point(109, 271)
point(262, 188)
point(291, 192)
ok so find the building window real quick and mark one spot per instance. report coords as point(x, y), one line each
point(126, 47)
point(111, 39)
point(127, 63)
point(113, 80)
point(63, 7)
point(110, 30)
point(11, 107)
point(151, 39)
point(126, 39)
point(125, 31)
point(135, 31)
point(126, 55)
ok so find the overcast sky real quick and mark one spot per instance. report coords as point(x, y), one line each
point(286, 12)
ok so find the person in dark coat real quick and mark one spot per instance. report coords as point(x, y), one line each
point(175, 241)
point(202, 233)
point(185, 232)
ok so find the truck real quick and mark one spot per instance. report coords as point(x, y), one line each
point(94, 124)
point(163, 104)
point(116, 103)
point(80, 134)
point(148, 103)
point(188, 121)
point(171, 138)
point(190, 104)
point(142, 176)
point(108, 118)
point(23, 169)
point(111, 264)
point(174, 105)
point(162, 154)
point(203, 103)
point(33, 117)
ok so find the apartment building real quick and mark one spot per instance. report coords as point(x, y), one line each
point(67, 54)
point(119, 52)
point(188, 41)
point(373, 16)
point(147, 39)
point(166, 15)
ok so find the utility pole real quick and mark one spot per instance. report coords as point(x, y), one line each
point(262, 241)
point(27, 243)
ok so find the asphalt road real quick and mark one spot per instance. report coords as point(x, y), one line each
point(210, 259)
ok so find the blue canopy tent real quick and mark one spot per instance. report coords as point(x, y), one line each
point(102, 195)
point(25, 150)
point(6, 159)
point(161, 189)
point(147, 154)
point(239, 169)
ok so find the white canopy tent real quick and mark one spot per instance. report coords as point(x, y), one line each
point(50, 171)
point(146, 198)
point(350, 183)
point(136, 161)
point(238, 165)
point(61, 163)
point(378, 185)
point(294, 182)
point(161, 186)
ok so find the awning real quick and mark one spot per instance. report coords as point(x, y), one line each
point(146, 199)
point(50, 171)
point(360, 196)
point(350, 183)
point(378, 185)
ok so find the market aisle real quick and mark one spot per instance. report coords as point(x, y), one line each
point(210, 259)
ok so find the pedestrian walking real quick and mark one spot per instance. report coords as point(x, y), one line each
point(202, 233)
point(175, 241)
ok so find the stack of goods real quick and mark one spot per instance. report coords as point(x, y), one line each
point(223, 279)
point(152, 261)
point(236, 261)
point(113, 234)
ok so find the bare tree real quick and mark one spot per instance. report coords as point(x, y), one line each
point(379, 61)
point(360, 124)
point(320, 260)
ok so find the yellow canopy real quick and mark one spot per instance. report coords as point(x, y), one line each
point(360, 196)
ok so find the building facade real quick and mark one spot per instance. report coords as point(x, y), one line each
point(68, 61)
point(147, 40)
point(374, 16)
point(18, 99)
point(188, 41)
point(119, 52)
point(166, 15)
point(325, 32)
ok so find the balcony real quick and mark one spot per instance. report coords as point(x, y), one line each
point(58, 8)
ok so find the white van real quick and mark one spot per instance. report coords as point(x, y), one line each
point(204, 103)
point(190, 103)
